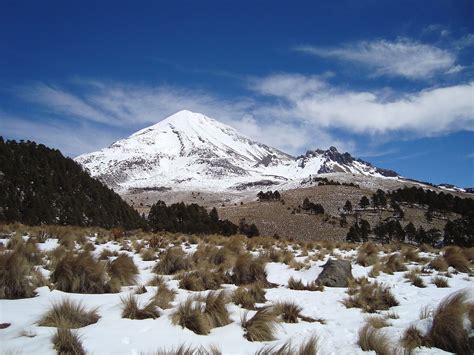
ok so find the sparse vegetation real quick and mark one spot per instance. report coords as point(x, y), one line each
point(371, 297)
point(68, 314)
point(67, 342)
point(132, 310)
point(374, 339)
point(262, 326)
point(189, 315)
point(172, 261)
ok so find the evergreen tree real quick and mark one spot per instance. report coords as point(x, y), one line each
point(348, 206)
point(364, 202)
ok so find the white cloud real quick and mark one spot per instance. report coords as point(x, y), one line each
point(402, 57)
point(424, 113)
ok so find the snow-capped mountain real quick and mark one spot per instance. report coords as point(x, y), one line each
point(191, 151)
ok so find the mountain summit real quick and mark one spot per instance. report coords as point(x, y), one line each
point(189, 150)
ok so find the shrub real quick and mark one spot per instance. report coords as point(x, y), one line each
point(189, 315)
point(67, 342)
point(373, 339)
point(215, 309)
point(132, 310)
point(172, 261)
point(124, 270)
point(371, 298)
point(261, 327)
point(68, 314)
point(455, 258)
point(15, 276)
point(447, 330)
point(79, 274)
point(248, 270)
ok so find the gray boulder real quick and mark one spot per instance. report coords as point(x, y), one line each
point(336, 273)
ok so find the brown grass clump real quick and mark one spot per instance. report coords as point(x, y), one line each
point(377, 322)
point(411, 254)
point(187, 350)
point(469, 253)
point(106, 254)
point(373, 339)
point(248, 269)
point(201, 280)
point(415, 279)
point(15, 276)
point(439, 264)
point(454, 257)
point(68, 314)
point(124, 270)
point(79, 274)
point(164, 296)
point(173, 260)
point(290, 312)
point(309, 347)
point(371, 298)
point(148, 254)
point(248, 295)
point(215, 309)
point(298, 285)
point(66, 342)
point(190, 315)
point(367, 254)
point(394, 263)
point(447, 331)
point(261, 327)
point(132, 310)
point(440, 282)
point(412, 339)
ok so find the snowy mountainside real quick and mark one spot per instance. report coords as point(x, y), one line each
point(192, 151)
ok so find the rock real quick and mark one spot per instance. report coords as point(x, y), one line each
point(336, 273)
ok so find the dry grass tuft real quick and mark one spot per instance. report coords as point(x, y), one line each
point(66, 342)
point(371, 297)
point(132, 310)
point(173, 260)
point(440, 282)
point(447, 330)
point(190, 315)
point(375, 340)
point(261, 327)
point(124, 270)
point(79, 274)
point(309, 347)
point(412, 339)
point(201, 280)
point(215, 309)
point(377, 322)
point(439, 264)
point(394, 263)
point(187, 350)
point(148, 254)
point(16, 276)
point(455, 257)
point(248, 295)
point(68, 314)
point(367, 254)
point(164, 296)
point(290, 312)
point(298, 285)
point(248, 269)
point(415, 279)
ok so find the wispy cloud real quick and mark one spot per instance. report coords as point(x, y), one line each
point(403, 57)
point(424, 113)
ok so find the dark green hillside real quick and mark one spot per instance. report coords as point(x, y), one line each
point(38, 185)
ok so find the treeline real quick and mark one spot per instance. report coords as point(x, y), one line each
point(194, 219)
point(269, 196)
point(38, 185)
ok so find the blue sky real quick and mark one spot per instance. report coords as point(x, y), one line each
point(390, 82)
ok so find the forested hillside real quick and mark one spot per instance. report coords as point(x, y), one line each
point(38, 185)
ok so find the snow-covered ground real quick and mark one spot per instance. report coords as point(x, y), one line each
point(115, 335)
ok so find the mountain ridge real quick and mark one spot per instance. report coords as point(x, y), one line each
point(189, 150)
